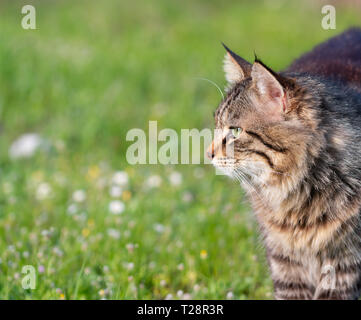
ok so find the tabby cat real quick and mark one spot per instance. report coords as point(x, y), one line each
point(296, 142)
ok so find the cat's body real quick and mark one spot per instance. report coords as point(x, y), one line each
point(338, 59)
point(316, 227)
point(296, 138)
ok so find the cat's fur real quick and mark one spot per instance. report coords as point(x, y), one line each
point(299, 159)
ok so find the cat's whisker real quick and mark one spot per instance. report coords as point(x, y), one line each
point(243, 178)
point(212, 82)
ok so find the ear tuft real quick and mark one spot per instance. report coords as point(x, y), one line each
point(233, 72)
point(235, 67)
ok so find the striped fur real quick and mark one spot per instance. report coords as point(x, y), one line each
point(298, 157)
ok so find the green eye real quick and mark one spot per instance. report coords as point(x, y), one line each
point(236, 132)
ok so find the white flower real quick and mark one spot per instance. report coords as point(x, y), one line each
point(72, 209)
point(43, 191)
point(58, 252)
point(130, 247)
point(196, 287)
point(79, 196)
point(154, 181)
point(175, 178)
point(130, 265)
point(187, 196)
point(115, 191)
point(120, 178)
point(169, 296)
point(113, 233)
point(116, 207)
point(159, 228)
point(230, 295)
point(45, 233)
point(180, 294)
point(25, 146)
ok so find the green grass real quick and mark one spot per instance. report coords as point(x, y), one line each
point(90, 72)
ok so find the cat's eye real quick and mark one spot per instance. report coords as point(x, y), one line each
point(236, 132)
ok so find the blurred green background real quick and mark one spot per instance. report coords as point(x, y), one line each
point(93, 226)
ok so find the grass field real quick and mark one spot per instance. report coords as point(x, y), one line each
point(92, 225)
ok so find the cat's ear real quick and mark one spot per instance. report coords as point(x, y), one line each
point(235, 67)
point(269, 87)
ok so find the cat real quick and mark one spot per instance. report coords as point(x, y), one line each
point(295, 138)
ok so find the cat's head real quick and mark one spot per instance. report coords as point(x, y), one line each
point(265, 124)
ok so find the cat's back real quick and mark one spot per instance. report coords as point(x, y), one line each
point(338, 58)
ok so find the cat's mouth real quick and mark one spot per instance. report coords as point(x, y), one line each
point(225, 165)
point(236, 169)
point(223, 162)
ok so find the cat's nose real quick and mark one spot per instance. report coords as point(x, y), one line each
point(210, 151)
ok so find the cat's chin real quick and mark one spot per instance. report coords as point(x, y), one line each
point(224, 170)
